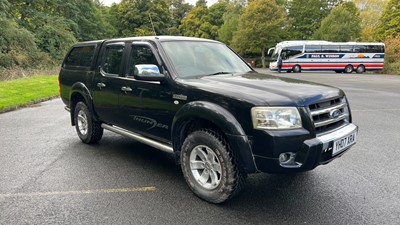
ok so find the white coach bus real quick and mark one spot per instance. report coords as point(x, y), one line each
point(324, 55)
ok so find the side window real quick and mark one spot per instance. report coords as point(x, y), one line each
point(312, 49)
point(373, 49)
point(346, 48)
point(330, 48)
point(141, 54)
point(288, 52)
point(80, 57)
point(112, 59)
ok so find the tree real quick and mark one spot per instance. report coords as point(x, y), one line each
point(216, 13)
point(260, 26)
point(201, 3)
point(389, 24)
point(370, 13)
point(55, 38)
point(179, 10)
point(18, 47)
point(137, 17)
point(342, 24)
point(4, 9)
point(231, 21)
point(193, 24)
point(392, 55)
point(203, 22)
point(306, 16)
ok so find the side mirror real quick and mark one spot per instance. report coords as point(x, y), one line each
point(270, 51)
point(148, 72)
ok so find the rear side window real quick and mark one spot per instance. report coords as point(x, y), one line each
point(112, 59)
point(80, 57)
point(369, 49)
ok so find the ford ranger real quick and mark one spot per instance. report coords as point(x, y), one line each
point(199, 100)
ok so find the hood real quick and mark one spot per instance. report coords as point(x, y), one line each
point(262, 89)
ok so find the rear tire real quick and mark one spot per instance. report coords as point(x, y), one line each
point(360, 69)
point(348, 69)
point(209, 167)
point(88, 130)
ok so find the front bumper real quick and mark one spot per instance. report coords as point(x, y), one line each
point(313, 152)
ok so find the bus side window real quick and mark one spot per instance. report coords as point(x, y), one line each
point(312, 49)
point(288, 52)
point(346, 48)
point(330, 48)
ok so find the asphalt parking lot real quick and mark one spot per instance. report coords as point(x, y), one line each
point(48, 176)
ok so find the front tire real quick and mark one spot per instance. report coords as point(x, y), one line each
point(209, 167)
point(88, 130)
point(296, 69)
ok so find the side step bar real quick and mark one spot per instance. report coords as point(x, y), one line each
point(138, 137)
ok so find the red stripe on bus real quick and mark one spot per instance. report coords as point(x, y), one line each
point(320, 65)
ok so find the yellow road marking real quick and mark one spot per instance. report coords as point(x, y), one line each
point(96, 191)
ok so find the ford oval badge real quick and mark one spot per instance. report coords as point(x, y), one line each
point(335, 113)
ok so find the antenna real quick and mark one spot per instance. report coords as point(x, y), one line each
point(152, 25)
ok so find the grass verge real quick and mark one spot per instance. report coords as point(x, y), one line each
point(26, 91)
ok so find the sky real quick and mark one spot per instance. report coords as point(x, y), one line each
point(192, 2)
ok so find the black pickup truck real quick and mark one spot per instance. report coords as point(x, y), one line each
point(199, 100)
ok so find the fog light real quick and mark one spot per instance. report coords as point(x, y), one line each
point(287, 160)
point(284, 158)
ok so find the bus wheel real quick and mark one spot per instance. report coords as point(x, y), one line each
point(296, 69)
point(360, 69)
point(348, 69)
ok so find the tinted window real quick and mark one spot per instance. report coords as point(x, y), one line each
point(141, 54)
point(346, 48)
point(112, 59)
point(369, 49)
point(313, 48)
point(330, 48)
point(199, 58)
point(291, 51)
point(80, 56)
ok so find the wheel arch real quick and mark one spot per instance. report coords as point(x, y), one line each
point(200, 114)
point(79, 92)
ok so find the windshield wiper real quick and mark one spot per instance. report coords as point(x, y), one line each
point(218, 73)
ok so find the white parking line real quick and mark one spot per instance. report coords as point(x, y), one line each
point(96, 191)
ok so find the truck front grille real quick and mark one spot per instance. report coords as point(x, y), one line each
point(329, 115)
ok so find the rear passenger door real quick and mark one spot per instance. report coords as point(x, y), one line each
point(108, 82)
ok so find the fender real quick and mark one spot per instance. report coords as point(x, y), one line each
point(224, 120)
point(81, 88)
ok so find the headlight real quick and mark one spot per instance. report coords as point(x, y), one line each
point(275, 118)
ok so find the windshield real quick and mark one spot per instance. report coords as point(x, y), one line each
point(275, 55)
point(202, 58)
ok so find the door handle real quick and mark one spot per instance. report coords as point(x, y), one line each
point(126, 89)
point(101, 85)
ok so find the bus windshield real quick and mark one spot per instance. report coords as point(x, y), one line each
point(276, 53)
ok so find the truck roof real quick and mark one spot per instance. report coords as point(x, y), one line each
point(154, 38)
